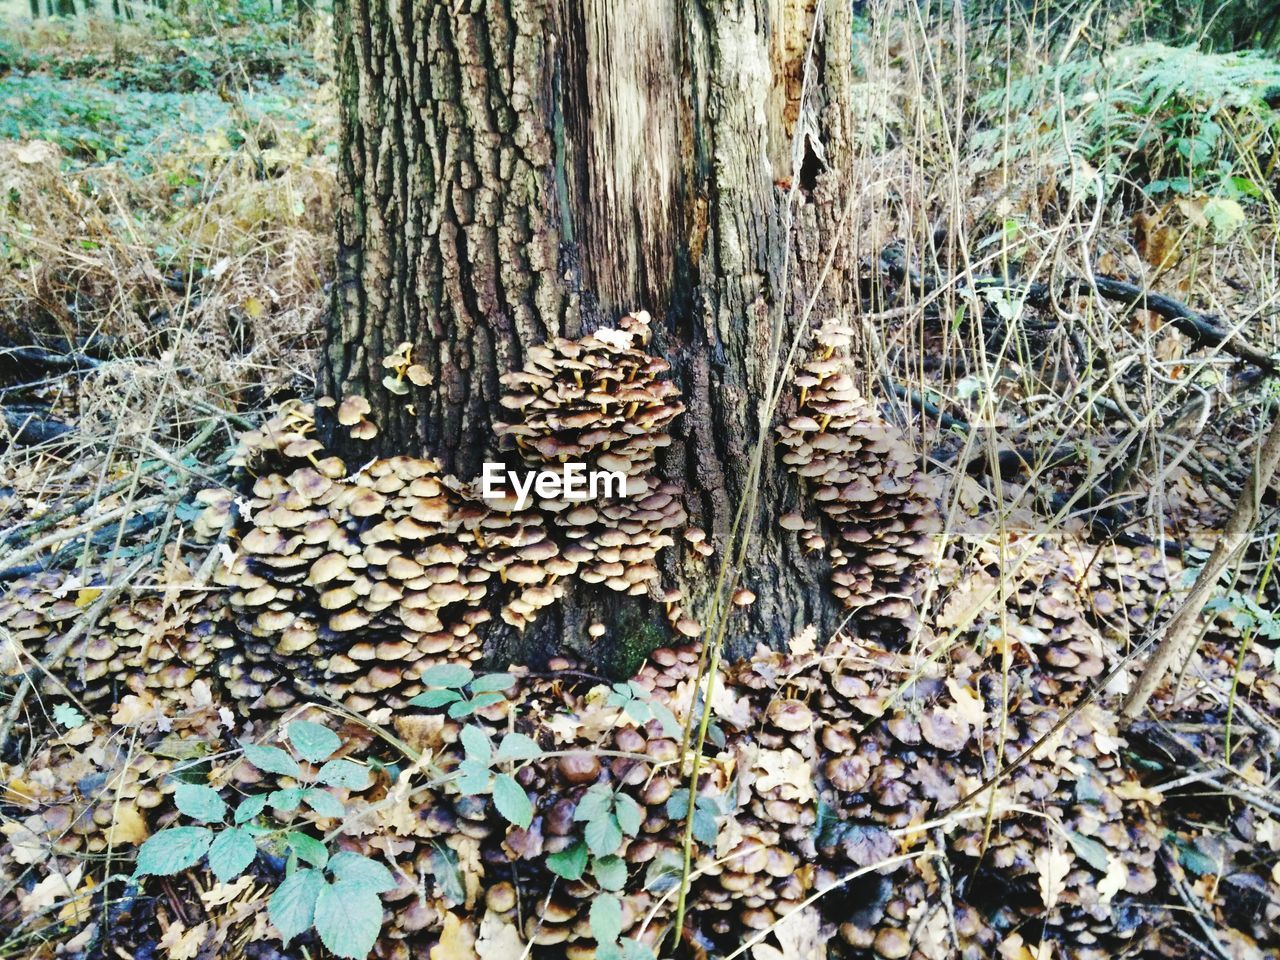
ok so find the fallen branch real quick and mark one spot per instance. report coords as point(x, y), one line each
point(1201, 328)
point(1180, 632)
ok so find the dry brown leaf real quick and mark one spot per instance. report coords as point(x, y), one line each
point(50, 890)
point(26, 845)
point(181, 943)
point(1115, 880)
point(968, 704)
point(457, 940)
point(220, 894)
point(787, 771)
point(1053, 864)
point(804, 642)
point(498, 940)
point(127, 826)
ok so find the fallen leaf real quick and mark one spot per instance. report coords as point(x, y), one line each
point(1115, 880)
point(128, 827)
point(499, 939)
point(457, 940)
point(181, 943)
point(804, 642)
point(1053, 864)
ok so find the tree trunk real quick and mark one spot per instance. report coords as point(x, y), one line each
point(515, 170)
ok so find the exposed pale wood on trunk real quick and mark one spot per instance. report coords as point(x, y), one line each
point(522, 169)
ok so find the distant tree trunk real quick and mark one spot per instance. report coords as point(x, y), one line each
point(305, 13)
point(35, 9)
point(524, 169)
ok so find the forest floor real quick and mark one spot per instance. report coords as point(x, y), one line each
point(167, 195)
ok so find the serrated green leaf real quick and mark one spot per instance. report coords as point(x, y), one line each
point(444, 867)
point(629, 814)
point(511, 800)
point(473, 777)
point(670, 725)
point(664, 871)
point(595, 803)
point(1088, 850)
point(482, 700)
point(172, 851)
point(292, 907)
point(271, 760)
point(307, 848)
point(447, 675)
point(492, 683)
point(200, 802)
point(704, 826)
point(354, 868)
point(475, 744)
point(68, 717)
point(433, 699)
point(344, 774)
point(285, 800)
point(678, 804)
point(569, 863)
point(230, 853)
point(324, 803)
point(610, 872)
point(250, 807)
point(314, 742)
point(606, 918)
point(516, 746)
point(603, 835)
point(348, 918)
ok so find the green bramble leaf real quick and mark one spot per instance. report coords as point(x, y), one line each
point(670, 725)
point(473, 777)
point(482, 700)
point(282, 801)
point(704, 826)
point(354, 868)
point(511, 800)
point(569, 863)
point(230, 853)
point(610, 872)
point(200, 802)
point(271, 760)
point(629, 814)
point(315, 743)
point(450, 675)
point(595, 803)
point(475, 744)
point(324, 803)
point(603, 835)
point(516, 746)
point(435, 698)
point(606, 918)
point(292, 907)
point(348, 917)
point(678, 803)
point(344, 774)
point(250, 807)
point(307, 848)
point(68, 717)
point(492, 683)
point(444, 867)
point(172, 851)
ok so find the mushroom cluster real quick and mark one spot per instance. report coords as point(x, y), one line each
point(601, 401)
point(160, 637)
point(862, 474)
point(357, 582)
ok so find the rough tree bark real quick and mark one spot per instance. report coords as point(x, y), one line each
point(514, 170)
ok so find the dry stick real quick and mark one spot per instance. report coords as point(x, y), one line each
point(83, 625)
point(1180, 632)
